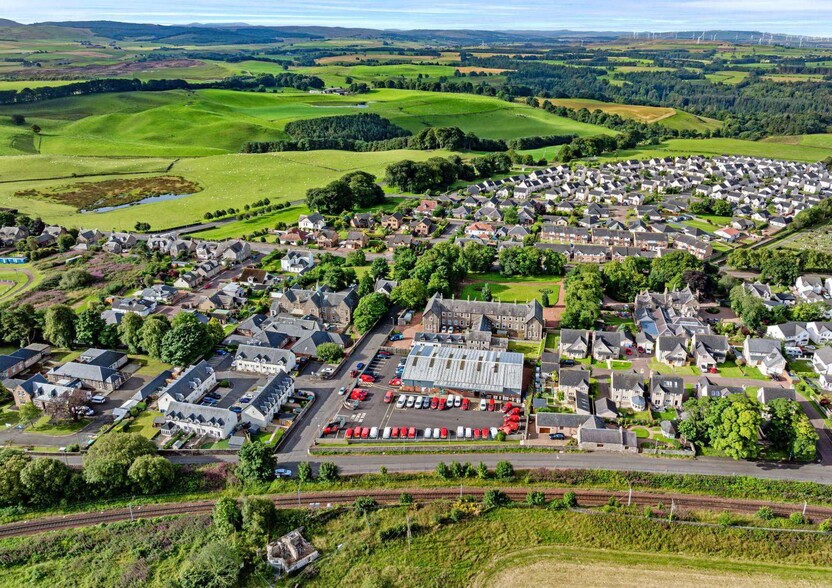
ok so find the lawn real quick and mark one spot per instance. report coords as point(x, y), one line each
point(8, 416)
point(641, 432)
point(552, 341)
point(236, 229)
point(730, 369)
point(150, 366)
point(143, 424)
point(528, 348)
point(664, 369)
point(513, 289)
point(45, 427)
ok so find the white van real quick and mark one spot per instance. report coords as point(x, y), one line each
point(468, 433)
point(428, 433)
point(460, 432)
point(374, 433)
point(386, 433)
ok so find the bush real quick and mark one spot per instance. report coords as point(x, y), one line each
point(493, 498)
point(765, 513)
point(328, 472)
point(504, 470)
point(535, 498)
point(405, 498)
point(304, 471)
point(364, 505)
point(797, 518)
point(825, 526)
point(570, 500)
point(724, 519)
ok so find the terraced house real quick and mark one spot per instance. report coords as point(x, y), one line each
point(518, 321)
point(322, 303)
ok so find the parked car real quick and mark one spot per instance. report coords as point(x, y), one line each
point(428, 433)
point(457, 401)
point(491, 405)
point(493, 431)
point(388, 397)
point(483, 404)
point(358, 394)
point(411, 400)
point(557, 436)
point(359, 366)
point(460, 432)
point(342, 390)
point(367, 378)
point(443, 433)
point(396, 337)
point(468, 433)
point(476, 434)
point(386, 434)
point(374, 433)
point(365, 433)
point(450, 401)
point(384, 354)
point(465, 404)
point(353, 373)
point(434, 403)
point(442, 403)
point(411, 433)
point(484, 433)
point(98, 399)
point(394, 433)
point(237, 409)
point(349, 433)
point(567, 362)
point(507, 407)
point(282, 473)
point(401, 401)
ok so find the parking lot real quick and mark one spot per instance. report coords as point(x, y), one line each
point(375, 412)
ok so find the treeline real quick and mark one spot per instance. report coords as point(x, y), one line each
point(103, 86)
point(539, 141)
point(360, 127)
point(448, 138)
point(780, 266)
point(438, 173)
point(584, 291)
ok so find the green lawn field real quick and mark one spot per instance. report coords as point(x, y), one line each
point(227, 180)
point(514, 289)
point(210, 122)
point(813, 148)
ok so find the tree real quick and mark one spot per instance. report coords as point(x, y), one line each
point(75, 279)
point(108, 460)
point(153, 334)
point(624, 279)
point(736, 423)
point(130, 332)
point(59, 325)
point(544, 299)
point(259, 516)
point(330, 352)
point(151, 473)
point(256, 463)
point(12, 489)
point(808, 311)
point(379, 268)
point(187, 340)
point(365, 191)
point(478, 257)
point(89, 326)
point(494, 498)
point(328, 472)
point(45, 480)
point(20, 324)
point(65, 242)
point(333, 198)
point(504, 470)
point(369, 311)
point(305, 471)
point(404, 260)
point(217, 565)
point(29, 413)
point(668, 269)
point(409, 294)
point(227, 516)
point(366, 286)
point(356, 258)
point(485, 292)
point(805, 439)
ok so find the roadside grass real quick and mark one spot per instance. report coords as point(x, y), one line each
point(510, 289)
point(143, 424)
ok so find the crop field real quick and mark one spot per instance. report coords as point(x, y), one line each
point(212, 122)
point(227, 181)
point(646, 114)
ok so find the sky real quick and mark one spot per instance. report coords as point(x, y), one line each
point(802, 17)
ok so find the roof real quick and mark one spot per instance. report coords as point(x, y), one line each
point(667, 384)
point(768, 393)
point(191, 377)
point(270, 395)
point(266, 355)
point(528, 311)
point(573, 378)
point(198, 413)
point(566, 420)
point(607, 436)
point(467, 369)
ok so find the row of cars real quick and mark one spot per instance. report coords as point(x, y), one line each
point(475, 433)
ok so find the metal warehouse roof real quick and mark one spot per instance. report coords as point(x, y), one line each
point(465, 369)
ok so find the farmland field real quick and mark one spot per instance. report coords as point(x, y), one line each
point(226, 181)
point(211, 122)
point(713, 147)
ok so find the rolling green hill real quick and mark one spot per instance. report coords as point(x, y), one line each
point(213, 122)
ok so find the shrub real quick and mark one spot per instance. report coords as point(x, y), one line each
point(364, 505)
point(328, 472)
point(825, 526)
point(405, 498)
point(570, 500)
point(493, 498)
point(765, 513)
point(797, 518)
point(724, 519)
point(504, 470)
point(535, 498)
point(304, 471)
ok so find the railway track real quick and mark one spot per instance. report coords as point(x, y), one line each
point(586, 498)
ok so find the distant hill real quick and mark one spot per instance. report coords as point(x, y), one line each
point(5, 22)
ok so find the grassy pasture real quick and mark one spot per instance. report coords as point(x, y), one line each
point(713, 147)
point(727, 77)
point(647, 114)
point(212, 122)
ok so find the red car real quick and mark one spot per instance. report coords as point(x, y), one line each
point(443, 433)
point(394, 434)
point(628, 351)
point(507, 407)
point(367, 378)
point(511, 418)
point(365, 433)
point(388, 397)
point(434, 403)
point(476, 433)
point(348, 434)
point(442, 403)
point(358, 394)
point(395, 382)
point(491, 405)
point(465, 403)
point(713, 370)
point(411, 433)
point(485, 432)
point(515, 410)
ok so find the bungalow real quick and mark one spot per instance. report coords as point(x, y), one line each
point(138, 306)
point(294, 236)
point(426, 207)
point(547, 423)
point(707, 389)
point(99, 369)
point(593, 435)
point(574, 344)
point(22, 359)
point(354, 240)
point(764, 354)
point(768, 393)
point(667, 391)
point(822, 361)
point(728, 234)
point(627, 390)
point(159, 293)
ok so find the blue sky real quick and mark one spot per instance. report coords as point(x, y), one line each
point(812, 17)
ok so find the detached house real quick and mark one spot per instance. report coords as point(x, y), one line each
point(710, 350)
point(573, 383)
point(574, 343)
point(627, 390)
point(606, 345)
point(672, 350)
point(764, 354)
point(667, 391)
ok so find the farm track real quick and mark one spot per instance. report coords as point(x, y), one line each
point(586, 498)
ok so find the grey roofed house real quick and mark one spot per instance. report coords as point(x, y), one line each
point(574, 343)
point(260, 358)
point(519, 320)
point(605, 408)
point(668, 429)
point(710, 350)
point(268, 399)
point(666, 390)
point(190, 380)
point(559, 420)
point(385, 286)
point(309, 343)
point(572, 379)
point(490, 372)
point(93, 375)
point(583, 403)
point(606, 344)
point(705, 387)
point(768, 393)
point(159, 293)
point(671, 350)
point(212, 420)
point(600, 438)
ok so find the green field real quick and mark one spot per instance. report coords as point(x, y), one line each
point(236, 229)
point(211, 122)
point(727, 77)
point(227, 180)
point(815, 149)
point(514, 289)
